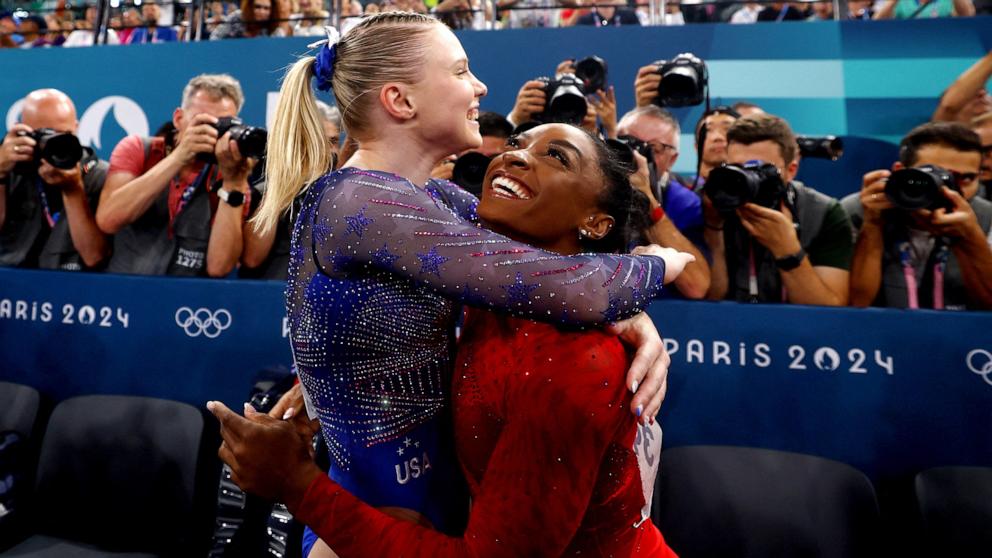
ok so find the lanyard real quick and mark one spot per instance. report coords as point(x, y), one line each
point(187, 194)
point(939, 267)
point(49, 216)
point(752, 277)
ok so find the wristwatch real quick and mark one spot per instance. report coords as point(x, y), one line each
point(788, 263)
point(233, 199)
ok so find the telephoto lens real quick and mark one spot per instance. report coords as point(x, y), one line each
point(565, 100)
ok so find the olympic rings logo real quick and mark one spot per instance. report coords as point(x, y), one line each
point(203, 322)
point(981, 366)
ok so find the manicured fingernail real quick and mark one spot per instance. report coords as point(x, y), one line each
point(639, 410)
point(211, 405)
point(633, 386)
point(288, 414)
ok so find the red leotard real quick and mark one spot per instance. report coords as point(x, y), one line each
point(547, 444)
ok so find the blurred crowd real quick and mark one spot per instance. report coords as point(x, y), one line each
point(53, 23)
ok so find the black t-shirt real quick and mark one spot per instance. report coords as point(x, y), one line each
point(620, 17)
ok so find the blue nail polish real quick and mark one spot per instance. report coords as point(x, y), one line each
point(640, 409)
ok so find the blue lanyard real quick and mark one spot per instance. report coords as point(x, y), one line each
point(49, 216)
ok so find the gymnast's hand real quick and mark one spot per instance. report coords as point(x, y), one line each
point(648, 374)
point(291, 407)
point(675, 261)
point(266, 455)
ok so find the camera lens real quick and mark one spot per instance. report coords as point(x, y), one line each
point(918, 188)
point(251, 140)
point(567, 102)
point(825, 147)
point(592, 72)
point(730, 187)
point(60, 150)
point(470, 171)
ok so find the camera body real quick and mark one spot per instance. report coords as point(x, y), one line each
point(683, 81)
point(250, 139)
point(470, 171)
point(61, 149)
point(592, 71)
point(730, 186)
point(626, 146)
point(920, 188)
point(565, 100)
point(820, 147)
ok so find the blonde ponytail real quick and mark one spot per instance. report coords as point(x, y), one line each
point(296, 154)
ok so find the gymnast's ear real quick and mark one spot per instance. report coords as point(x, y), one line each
point(395, 98)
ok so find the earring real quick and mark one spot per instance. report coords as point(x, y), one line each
point(583, 234)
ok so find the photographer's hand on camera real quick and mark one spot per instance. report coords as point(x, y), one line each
point(233, 167)
point(641, 179)
point(959, 223)
point(69, 180)
point(200, 137)
point(530, 101)
point(873, 198)
point(646, 85)
point(773, 229)
point(18, 147)
point(605, 104)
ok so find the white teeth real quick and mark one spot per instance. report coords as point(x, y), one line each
point(512, 187)
point(473, 114)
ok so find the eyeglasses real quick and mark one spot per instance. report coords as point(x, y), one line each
point(263, 6)
point(660, 147)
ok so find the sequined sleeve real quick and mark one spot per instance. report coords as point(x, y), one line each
point(371, 219)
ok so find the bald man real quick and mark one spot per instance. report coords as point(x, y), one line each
point(47, 214)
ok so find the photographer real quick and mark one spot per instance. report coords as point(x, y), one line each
point(937, 256)
point(531, 104)
point(772, 238)
point(173, 212)
point(46, 211)
point(676, 210)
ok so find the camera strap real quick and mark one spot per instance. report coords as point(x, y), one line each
point(188, 193)
point(46, 208)
point(942, 252)
point(752, 277)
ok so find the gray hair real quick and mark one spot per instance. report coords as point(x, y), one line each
point(329, 113)
point(218, 86)
point(654, 111)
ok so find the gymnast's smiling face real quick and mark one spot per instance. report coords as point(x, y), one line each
point(546, 190)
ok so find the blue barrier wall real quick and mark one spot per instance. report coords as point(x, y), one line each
point(891, 392)
point(875, 79)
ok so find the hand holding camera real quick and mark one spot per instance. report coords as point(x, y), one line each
point(200, 137)
point(873, 198)
point(66, 179)
point(772, 228)
point(530, 101)
point(234, 167)
point(956, 220)
point(18, 147)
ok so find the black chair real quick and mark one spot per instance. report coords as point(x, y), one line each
point(122, 476)
point(20, 413)
point(19, 406)
point(719, 501)
point(956, 506)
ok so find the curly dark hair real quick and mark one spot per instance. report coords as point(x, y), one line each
point(628, 206)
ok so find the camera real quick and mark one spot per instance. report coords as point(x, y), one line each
point(820, 147)
point(683, 81)
point(251, 140)
point(919, 187)
point(565, 100)
point(592, 72)
point(731, 186)
point(470, 171)
point(626, 146)
point(61, 149)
